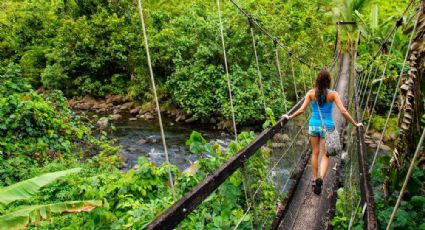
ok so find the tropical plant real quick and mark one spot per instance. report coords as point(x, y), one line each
point(34, 214)
point(26, 189)
point(411, 104)
point(21, 216)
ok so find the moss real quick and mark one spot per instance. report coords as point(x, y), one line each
point(378, 123)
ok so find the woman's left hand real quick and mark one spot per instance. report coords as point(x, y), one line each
point(359, 125)
point(287, 117)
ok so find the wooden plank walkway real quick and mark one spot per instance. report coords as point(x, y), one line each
point(306, 210)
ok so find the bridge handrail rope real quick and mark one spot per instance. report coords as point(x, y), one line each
point(350, 141)
point(365, 184)
point(406, 180)
point(271, 170)
point(158, 110)
point(392, 104)
point(396, 91)
point(180, 209)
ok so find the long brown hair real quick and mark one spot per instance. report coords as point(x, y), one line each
point(323, 82)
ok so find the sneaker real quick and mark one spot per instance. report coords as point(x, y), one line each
point(318, 186)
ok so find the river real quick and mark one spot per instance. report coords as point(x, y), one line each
point(143, 138)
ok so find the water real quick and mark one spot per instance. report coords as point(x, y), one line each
point(143, 138)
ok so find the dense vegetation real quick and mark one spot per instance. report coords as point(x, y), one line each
point(54, 50)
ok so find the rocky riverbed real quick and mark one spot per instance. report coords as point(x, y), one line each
point(119, 107)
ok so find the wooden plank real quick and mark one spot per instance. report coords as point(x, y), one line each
point(171, 217)
point(303, 200)
point(295, 175)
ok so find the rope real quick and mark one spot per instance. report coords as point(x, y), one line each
point(142, 20)
point(363, 82)
point(268, 34)
point(397, 24)
point(293, 77)
point(302, 74)
point(406, 181)
point(311, 78)
point(280, 76)
point(380, 84)
point(369, 94)
point(395, 94)
point(270, 171)
point(260, 82)
point(229, 85)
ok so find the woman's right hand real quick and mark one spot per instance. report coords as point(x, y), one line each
point(358, 125)
point(287, 117)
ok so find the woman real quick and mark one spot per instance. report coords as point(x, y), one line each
point(322, 98)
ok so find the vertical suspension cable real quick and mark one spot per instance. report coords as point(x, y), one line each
point(302, 74)
point(406, 181)
point(311, 77)
point(257, 64)
point(142, 20)
point(293, 78)
point(229, 85)
point(395, 94)
point(380, 82)
point(369, 94)
point(360, 83)
point(280, 75)
point(363, 82)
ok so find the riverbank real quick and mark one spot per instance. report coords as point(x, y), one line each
point(121, 107)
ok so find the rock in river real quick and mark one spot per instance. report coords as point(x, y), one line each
point(103, 123)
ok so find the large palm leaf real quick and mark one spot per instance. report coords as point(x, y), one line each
point(20, 218)
point(26, 189)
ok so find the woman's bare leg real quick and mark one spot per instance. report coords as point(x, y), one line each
point(324, 163)
point(315, 145)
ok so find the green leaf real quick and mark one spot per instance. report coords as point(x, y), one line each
point(34, 214)
point(25, 189)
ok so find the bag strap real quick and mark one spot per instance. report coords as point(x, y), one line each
point(321, 118)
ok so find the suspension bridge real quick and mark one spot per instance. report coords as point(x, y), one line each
point(300, 208)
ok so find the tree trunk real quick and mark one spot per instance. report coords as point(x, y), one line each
point(410, 100)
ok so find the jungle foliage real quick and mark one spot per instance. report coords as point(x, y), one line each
point(73, 48)
point(95, 48)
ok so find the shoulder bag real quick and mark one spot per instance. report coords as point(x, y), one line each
point(333, 142)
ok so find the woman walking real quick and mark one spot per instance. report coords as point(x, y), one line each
point(323, 100)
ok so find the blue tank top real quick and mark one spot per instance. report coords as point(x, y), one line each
point(326, 110)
